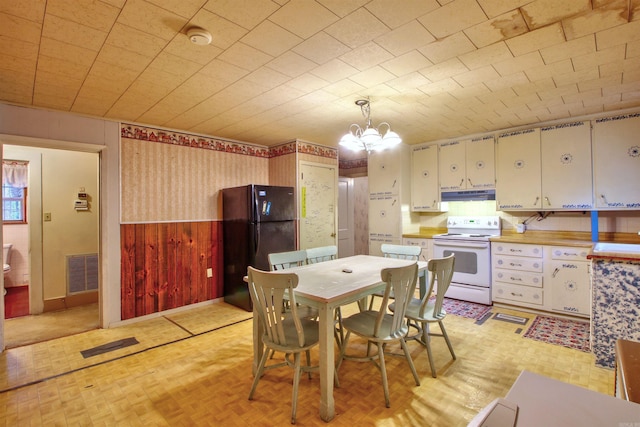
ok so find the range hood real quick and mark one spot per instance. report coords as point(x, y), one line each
point(467, 195)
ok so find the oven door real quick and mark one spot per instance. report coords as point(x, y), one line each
point(473, 260)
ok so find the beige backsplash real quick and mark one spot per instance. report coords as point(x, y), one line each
point(608, 221)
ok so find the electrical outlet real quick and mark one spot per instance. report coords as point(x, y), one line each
point(209, 272)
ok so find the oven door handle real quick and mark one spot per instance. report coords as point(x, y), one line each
point(479, 245)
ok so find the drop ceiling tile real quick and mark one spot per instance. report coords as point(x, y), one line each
point(303, 18)
point(134, 40)
point(18, 48)
point(577, 76)
point(123, 58)
point(407, 63)
point(394, 16)
point(334, 70)
point(558, 92)
point(444, 70)
point(447, 48)
point(519, 63)
point(151, 19)
point(184, 8)
point(356, 29)
point(403, 39)
point(224, 32)
point(540, 13)
point(271, 39)
point(408, 82)
point(91, 106)
point(67, 52)
point(32, 10)
point(19, 95)
point(600, 83)
point(577, 47)
point(174, 65)
point(247, 13)
point(244, 56)
point(291, 64)
point(307, 83)
point(633, 49)
point(372, 76)
point(497, 52)
point(453, 17)
point(321, 48)
point(182, 47)
point(495, 8)
point(610, 15)
point(116, 3)
point(508, 81)
point(441, 86)
point(89, 13)
point(223, 72)
point(536, 40)
point(266, 78)
point(503, 27)
point(73, 33)
point(345, 87)
point(54, 101)
point(621, 34)
point(63, 67)
point(534, 87)
point(23, 66)
point(342, 8)
point(595, 59)
point(15, 27)
point(366, 56)
point(108, 77)
point(21, 79)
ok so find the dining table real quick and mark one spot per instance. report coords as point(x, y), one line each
point(327, 286)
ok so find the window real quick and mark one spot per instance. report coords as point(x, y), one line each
point(14, 205)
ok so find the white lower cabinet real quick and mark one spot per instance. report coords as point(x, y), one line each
point(568, 278)
point(425, 244)
point(549, 278)
point(517, 274)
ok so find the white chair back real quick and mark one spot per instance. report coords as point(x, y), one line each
point(321, 254)
point(401, 251)
point(401, 282)
point(441, 270)
point(284, 260)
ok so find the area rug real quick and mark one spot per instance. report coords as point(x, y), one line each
point(466, 309)
point(16, 302)
point(564, 332)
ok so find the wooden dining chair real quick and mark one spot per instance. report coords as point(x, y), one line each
point(411, 253)
point(422, 312)
point(284, 260)
point(381, 327)
point(289, 334)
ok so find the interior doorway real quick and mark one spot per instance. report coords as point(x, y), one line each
point(62, 295)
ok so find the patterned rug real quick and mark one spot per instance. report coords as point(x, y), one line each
point(470, 310)
point(564, 332)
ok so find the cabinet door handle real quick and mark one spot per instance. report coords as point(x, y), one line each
point(556, 271)
point(536, 202)
point(604, 199)
point(461, 182)
point(470, 183)
point(547, 200)
point(519, 279)
point(516, 295)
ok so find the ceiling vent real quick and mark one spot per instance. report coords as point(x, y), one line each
point(199, 36)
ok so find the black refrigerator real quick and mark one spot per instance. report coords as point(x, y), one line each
point(257, 220)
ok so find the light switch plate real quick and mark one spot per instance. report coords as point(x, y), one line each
point(47, 216)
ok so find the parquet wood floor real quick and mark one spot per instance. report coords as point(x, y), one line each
point(191, 370)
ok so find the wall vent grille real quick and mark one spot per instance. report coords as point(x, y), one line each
point(82, 273)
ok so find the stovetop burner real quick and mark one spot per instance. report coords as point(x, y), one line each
point(471, 228)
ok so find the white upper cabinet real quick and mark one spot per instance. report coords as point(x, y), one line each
point(384, 171)
point(616, 162)
point(467, 164)
point(566, 166)
point(425, 191)
point(518, 170)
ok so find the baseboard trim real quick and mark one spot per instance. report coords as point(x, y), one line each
point(76, 300)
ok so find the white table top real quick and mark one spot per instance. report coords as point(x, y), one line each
point(327, 282)
point(543, 401)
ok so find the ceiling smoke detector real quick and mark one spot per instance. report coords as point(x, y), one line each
point(199, 36)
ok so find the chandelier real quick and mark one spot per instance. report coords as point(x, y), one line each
point(369, 138)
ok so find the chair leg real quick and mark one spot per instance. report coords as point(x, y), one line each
point(343, 350)
point(383, 371)
point(263, 361)
point(296, 381)
point(410, 360)
point(309, 362)
point(427, 344)
point(446, 338)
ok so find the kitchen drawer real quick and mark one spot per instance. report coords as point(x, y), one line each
point(569, 253)
point(518, 277)
point(523, 294)
point(518, 263)
point(534, 251)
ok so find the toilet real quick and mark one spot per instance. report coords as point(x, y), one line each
point(6, 260)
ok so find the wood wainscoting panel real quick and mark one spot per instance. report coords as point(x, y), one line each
point(164, 265)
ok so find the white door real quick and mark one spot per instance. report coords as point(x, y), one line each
point(346, 231)
point(318, 200)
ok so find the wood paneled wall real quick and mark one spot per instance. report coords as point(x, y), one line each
point(164, 265)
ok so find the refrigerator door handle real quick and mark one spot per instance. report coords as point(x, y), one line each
point(256, 237)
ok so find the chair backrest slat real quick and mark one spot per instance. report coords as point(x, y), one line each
point(268, 291)
point(441, 270)
point(401, 251)
point(401, 281)
point(321, 254)
point(284, 260)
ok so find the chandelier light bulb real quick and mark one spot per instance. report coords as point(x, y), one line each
point(369, 138)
